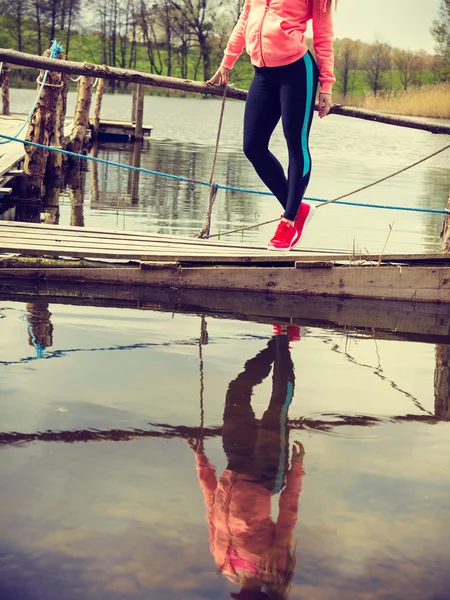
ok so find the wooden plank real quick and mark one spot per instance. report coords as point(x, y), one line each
point(303, 253)
point(150, 254)
point(89, 231)
point(5, 191)
point(167, 252)
point(416, 284)
point(15, 237)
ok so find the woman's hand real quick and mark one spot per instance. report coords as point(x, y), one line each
point(325, 102)
point(195, 444)
point(221, 76)
point(298, 452)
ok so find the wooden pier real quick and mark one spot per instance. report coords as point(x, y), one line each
point(86, 255)
point(120, 131)
point(12, 155)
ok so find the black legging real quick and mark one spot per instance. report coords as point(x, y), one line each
point(287, 92)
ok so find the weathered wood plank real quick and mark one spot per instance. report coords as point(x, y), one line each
point(416, 284)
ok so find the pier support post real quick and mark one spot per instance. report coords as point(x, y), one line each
point(5, 89)
point(41, 129)
point(54, 168)
point(98, 107)
point(138, 135)
point(442, 371)
point(81, 120)
point(133, 103)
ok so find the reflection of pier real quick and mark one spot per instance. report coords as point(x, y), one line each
point(330, 315)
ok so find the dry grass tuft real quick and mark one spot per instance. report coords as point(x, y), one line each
point(429, 101)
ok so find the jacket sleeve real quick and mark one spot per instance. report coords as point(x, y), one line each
point(207, 478)
point(288, 505)
point(236, 43)
point(322, 23)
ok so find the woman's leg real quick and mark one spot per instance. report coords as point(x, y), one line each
point(297, 96)
point(262, 113)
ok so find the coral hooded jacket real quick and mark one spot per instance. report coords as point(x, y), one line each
point(273, 33)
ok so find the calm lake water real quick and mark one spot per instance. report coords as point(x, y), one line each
point(159, 453)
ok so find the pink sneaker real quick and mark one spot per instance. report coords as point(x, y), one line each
point(285, 237)
point(304, 216)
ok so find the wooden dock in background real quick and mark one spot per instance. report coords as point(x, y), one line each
point(78, 254)
point(118, 131)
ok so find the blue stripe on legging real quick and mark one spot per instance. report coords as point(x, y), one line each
point(283, 417)
point(309, 93)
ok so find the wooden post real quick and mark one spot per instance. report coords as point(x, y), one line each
point(98, 107)
point(138, 136)
point(81, 120)
point(133, 104)
point(55, 160)
point(442, 371)
point(5, 89)
point(41, 129)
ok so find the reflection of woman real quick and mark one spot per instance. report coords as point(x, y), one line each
point(247, 545)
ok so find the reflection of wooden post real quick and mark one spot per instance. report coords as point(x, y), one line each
point(77, 186)
point(40, 328)
point(81, 119)
point(51, 205)
point(442, 372)
point(94, 174)
point(41, 129)
point(5, 89)
point(139, 112)
point(133, 177)
point(98, 107)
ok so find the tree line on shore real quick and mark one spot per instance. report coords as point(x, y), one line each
point(186, 38)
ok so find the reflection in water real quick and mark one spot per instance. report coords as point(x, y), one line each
point(40, 328)
point(76, 188)
point(247, 545)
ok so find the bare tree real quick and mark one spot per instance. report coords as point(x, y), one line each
point(200, 16)
point(346, 61)
point(403, 61)
point(376, 64)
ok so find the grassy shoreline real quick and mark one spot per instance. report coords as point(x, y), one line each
point(431, 101)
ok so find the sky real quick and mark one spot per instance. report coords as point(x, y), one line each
point(401, 23)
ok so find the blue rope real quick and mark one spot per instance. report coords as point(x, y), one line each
point(55, 49)
point(111, 163)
